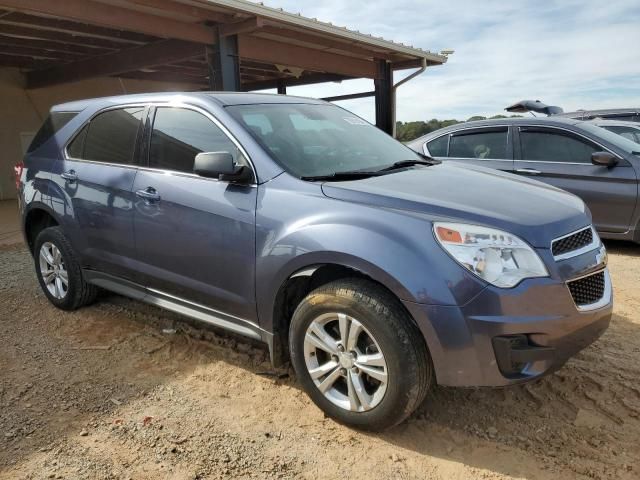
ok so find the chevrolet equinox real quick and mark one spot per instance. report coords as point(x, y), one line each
point(376, 271)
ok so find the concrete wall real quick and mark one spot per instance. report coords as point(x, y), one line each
point(22, 111)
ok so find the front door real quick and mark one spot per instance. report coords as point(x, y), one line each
point(97, 176)
point(195, 236)
point(563, 159)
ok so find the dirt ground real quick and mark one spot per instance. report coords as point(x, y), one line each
point(104, 393)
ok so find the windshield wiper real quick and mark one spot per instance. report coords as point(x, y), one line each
point(408, 163)
point(337, 176)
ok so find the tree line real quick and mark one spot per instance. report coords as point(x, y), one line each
point(406, 131)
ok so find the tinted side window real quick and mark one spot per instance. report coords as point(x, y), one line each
point(554, 147)
point(491, 144)
point(76, 148)
point(180, 134)
point(111, 136)
point(54, 122)
point(438, 147)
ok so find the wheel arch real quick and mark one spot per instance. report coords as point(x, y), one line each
point(37, 218)
point(307, 278)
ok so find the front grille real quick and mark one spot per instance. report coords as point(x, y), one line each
point(587, 290)
point(572, 242)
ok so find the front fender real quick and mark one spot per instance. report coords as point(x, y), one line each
point(394, 248)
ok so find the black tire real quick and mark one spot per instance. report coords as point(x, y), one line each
point(79, 293)
point(409, 367)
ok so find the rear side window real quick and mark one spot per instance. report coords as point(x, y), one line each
point(109, 137)
point(488, 144)
point(54, 122)
point(179, 134)
point(438, 147)
point(554, 147)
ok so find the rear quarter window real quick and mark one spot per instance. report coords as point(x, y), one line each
point(54, 122)
point(109, 137)
point(438, 147)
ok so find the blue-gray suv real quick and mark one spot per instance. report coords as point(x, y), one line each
point(376, 271)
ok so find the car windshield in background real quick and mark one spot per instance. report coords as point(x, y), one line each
point(310, 140)
point(618, 140)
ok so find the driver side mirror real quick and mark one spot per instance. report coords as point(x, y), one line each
point(220, 165)
point(604, 159)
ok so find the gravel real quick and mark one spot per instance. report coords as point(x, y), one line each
point(103, 393)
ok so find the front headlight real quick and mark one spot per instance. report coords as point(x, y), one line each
point(498, 257)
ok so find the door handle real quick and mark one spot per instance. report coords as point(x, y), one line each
point(70, 176)
point(528, 171)
point(149, 194)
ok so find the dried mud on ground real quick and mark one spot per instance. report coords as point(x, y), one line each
point(104, 393)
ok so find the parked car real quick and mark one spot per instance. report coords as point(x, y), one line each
point(595, 164)
point(617, 114)
point(629, 130)
point(292, 221)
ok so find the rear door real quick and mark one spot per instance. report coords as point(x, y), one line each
point(563, 159)
point(195, 236)
point(99, 166)
point(483, 146)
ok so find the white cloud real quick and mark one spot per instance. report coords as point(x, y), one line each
point(572, 53)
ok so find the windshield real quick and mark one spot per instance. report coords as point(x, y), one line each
point(311, 140)
point(617, 140)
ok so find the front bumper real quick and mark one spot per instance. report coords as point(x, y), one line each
point(492, 340)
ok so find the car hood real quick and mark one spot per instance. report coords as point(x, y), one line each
point(532, 210)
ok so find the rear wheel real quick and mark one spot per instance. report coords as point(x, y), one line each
point(358, 355)
point(59, 271)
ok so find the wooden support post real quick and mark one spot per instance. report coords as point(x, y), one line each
point(384, 96)
point(224, 64)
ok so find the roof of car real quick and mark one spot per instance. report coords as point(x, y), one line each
point(222, 98)
point(499, 122)
point(595, 113)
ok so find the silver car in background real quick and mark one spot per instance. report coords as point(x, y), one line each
point(597, 165)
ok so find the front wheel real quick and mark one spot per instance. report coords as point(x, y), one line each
point(358, 355)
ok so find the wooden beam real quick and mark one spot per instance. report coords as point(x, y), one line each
point(260, 71)
point(349, 96)
point(166, 77)
point(237, 28)
point(24, 62)
point(71, 39)
point(110, 16)
point(181, 10)
point(292, 82)
point(273, 52)
point(323, 41)
point(162, 52)
point(75, 28)
point(49, 45)
point(38, 52)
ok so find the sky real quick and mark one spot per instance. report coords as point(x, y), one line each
point(571, 53)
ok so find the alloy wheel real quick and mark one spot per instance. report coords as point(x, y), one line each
point(53, 271)
point(345, 362)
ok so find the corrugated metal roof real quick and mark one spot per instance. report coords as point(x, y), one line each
point(297, 19)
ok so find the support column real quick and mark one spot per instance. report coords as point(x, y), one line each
point(223, 64)
point(384, 96)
